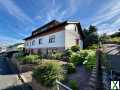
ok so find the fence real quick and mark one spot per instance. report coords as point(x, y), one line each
point(103, 72)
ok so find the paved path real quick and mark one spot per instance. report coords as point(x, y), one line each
point(81, 76)
point(8, 79)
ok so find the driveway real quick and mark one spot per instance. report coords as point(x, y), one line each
point(8, 79)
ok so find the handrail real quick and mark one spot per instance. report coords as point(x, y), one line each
point(63, 85)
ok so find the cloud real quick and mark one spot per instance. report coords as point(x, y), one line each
point(107, 18)
point(58, 12)
point(6, 41)
point(107, 12)
point(15, 11)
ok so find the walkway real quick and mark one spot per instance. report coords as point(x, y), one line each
point(8, 78)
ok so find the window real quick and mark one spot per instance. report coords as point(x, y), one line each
point(33, 42)
point(40, 41)
point(27, 44)
point(52, 39)
point(75, 28)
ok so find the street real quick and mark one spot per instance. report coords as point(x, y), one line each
point(9, 79)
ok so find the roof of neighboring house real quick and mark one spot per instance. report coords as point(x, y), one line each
point(15, 45)
point(51, 25)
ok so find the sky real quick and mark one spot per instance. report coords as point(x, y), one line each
point(18, 18)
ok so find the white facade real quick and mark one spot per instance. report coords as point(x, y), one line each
point(59, 41)
point(64, 38)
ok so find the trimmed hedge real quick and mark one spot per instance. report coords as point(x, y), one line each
point(47, 73)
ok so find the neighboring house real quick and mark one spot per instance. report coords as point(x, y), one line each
point(16, 47)
point(3, 49)
point(54, 36)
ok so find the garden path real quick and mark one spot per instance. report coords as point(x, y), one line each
point(81, 76)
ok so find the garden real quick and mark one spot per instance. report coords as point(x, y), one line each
point(61, 66)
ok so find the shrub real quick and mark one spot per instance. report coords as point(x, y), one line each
point(70, 68)
point(93, 46)
point(56, 55)
point(73, 84)
point(48, 72)
point(29, 59)
point(75, 59)
point(75, 48)
point(66, 55)
point(91, 60)
point(86, 56)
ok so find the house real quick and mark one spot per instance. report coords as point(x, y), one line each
point(3, 49)
point(15, 47)
point(54, 36)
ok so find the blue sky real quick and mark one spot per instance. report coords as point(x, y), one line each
point(18, 18)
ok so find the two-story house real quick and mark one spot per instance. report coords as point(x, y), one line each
point(56, 36)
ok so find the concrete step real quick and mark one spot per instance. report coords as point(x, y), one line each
point(93, 75)
point(92, 85)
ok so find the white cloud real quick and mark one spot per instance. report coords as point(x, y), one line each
point(107, 18)
point(15, 11)
point(6, 41)
point(107, 12)
point(55, 11)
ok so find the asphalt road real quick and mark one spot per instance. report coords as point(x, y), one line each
point(9, 79)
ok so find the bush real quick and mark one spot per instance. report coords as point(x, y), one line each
point(93, 46)
point(86, 56)
point(56, 55)
point(70, 68)
point(91, 60)
point(29, 59)
point(73, 84)
point(66, 55)
point(75, 59)
point(47, 73)
point(75, 48)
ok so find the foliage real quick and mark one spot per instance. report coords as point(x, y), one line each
point(91, 36)
point(73, 85)
point(75, 48)
point(76, 59)
point(70, 68)
point(115, 40)
point(29, 59)
point(56, 55)
point(93, 46)
point(66, 55)
point(47, 73)
point(91, 60)
point(117, 34)
point(87, 57)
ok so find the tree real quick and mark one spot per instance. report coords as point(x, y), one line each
point(91, 36)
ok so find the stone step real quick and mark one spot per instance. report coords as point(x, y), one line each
point(93, 72)
point(92, 85)
point(93, 80)
point(93, 75)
